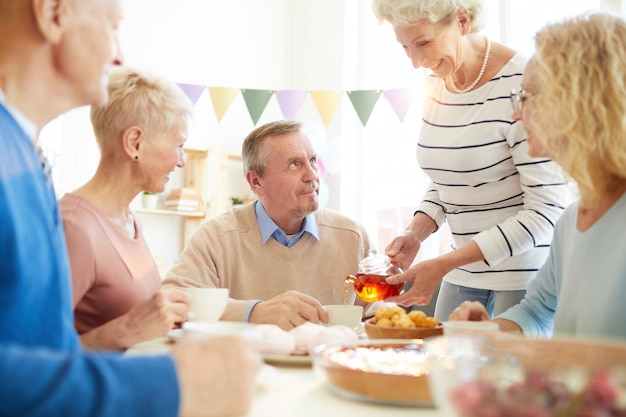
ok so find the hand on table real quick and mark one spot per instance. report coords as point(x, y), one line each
point(288, 310)
point(475, 311)
point(469, 311)
point(158, 315)
point(148, 320)
point(216, 376)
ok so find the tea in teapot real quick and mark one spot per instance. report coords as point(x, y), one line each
point(369, 283)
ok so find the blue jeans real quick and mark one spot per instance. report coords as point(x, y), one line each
point(496, 302)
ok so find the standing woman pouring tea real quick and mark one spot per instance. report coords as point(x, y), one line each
point(500, 204)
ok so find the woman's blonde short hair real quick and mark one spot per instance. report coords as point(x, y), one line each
point(402, 13)
point(581, 100)
point(138, 98)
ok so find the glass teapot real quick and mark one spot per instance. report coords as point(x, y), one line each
point(369, 283)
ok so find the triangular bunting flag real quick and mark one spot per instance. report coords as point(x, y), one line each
point(290, 102)
point(326, 102)
point(256, 101)
point(192, 91)
point(363, 102)
point(400, 100)
point(222, 98)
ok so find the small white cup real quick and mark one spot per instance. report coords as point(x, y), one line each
point(464, 327)
point(346, 315)
point(207, 304)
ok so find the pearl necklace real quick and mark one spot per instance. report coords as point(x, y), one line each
point(480, 74)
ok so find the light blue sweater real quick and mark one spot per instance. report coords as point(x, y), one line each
point(581, 290)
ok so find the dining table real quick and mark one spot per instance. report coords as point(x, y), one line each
point(296, 389)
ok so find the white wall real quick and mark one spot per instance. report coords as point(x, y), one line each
point(263, 44)
point(291, 44)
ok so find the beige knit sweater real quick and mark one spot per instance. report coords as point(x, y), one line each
point(227, 251)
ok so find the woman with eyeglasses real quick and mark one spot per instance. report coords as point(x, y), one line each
point(500, 204)
point(573, 105)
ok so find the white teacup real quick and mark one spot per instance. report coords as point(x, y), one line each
point(207, 304)
point(464, 327)
point(346, 315)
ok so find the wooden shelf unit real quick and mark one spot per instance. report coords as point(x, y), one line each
point(206, 172)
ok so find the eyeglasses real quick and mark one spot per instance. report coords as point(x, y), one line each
point(518, 96)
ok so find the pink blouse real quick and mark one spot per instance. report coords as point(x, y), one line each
point(111, 273)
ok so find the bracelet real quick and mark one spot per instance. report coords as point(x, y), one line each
point(250, 307)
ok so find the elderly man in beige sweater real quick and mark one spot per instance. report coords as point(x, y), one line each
point(282, 257)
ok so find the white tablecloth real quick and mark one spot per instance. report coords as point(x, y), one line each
point(295, 391)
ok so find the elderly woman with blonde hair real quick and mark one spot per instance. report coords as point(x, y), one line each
point(116, 285)
point(500, 204)
point(573, 104)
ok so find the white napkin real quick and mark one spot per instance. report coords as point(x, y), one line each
point(271, 339)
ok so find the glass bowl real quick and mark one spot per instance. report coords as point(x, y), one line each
point(473, 376)
point(387, 371)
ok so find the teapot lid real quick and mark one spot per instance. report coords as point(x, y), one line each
point(376, 263)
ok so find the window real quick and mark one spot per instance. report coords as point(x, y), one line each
point(377, 181)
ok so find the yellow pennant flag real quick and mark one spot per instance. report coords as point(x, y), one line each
point(326, 102)
point(222, 98)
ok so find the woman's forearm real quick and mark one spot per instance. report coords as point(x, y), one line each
point(508, 326)
point(465, 255)
point(110, 336)
point(421, 226)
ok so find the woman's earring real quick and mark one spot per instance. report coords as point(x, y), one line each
point(136, 157)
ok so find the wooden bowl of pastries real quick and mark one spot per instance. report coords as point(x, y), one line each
point(395, 323)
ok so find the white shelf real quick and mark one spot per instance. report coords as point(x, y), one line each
point(167, 212)
point(206, 172)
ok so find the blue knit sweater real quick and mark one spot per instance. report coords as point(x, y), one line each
point(43, 369)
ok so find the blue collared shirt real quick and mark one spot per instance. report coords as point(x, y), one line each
point(270, 229)
point(29, 127)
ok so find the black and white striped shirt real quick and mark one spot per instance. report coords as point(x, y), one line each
point(484, 184)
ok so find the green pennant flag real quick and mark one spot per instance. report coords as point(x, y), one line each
point(363, 102)
point(256, 101)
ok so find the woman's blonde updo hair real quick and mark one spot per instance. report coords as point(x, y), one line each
point(138, 98)
point(402, 13)
point(581, 100)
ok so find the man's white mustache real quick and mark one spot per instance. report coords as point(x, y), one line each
point(313, 187)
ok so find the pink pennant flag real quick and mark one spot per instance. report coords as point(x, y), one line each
point(290, 102)
point(400, 100)
point(192, 91)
